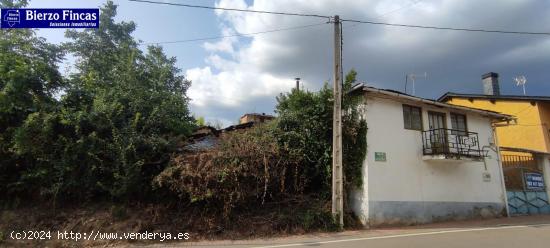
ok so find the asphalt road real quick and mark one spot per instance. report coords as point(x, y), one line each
point(523, 232)
point(505, 237)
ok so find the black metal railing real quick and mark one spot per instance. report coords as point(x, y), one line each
point(451, 143)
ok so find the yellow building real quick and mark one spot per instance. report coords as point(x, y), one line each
point(524, 145)
point(532, 130)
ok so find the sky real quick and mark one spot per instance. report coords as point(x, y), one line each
point(237, 75)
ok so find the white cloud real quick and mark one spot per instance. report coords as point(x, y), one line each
point(225, 44)
point(246, 74)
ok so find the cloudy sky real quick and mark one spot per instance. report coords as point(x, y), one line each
point(235, 75)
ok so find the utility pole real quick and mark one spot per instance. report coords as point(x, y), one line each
point(337, 179)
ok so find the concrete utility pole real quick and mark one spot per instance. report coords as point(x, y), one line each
point(337, 179)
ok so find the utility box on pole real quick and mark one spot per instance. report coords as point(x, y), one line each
point(337, 178)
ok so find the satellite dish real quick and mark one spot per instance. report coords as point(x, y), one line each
point(521, 80)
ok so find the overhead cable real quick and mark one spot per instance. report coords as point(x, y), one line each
point(233, 35)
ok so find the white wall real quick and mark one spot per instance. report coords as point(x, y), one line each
point(407, 189)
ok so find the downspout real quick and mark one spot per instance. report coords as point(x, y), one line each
point(500, 171)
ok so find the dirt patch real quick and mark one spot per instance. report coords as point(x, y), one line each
point(271, 220)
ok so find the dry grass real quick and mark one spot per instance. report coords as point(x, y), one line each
point(294, 216)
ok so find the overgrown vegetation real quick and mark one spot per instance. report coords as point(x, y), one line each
point(109, 131)
point(245, 168)
point(354, 133)
point(305, 121)
point(285, 160)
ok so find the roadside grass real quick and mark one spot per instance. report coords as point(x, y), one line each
point(299, 216)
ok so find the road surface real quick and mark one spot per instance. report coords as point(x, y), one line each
point(522, 232)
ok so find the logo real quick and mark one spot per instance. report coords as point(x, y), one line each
point(49, 18)
point(12, 17)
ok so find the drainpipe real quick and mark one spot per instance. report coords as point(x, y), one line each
point(545, 163)
point(500, 171)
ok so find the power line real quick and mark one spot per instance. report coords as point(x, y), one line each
point(446, 28)
point(411, 4)
point(234, 35)
point(347, 20)
point(231, 9)
point(526, 108)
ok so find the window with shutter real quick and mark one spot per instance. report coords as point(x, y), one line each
point(412, 117)
point(458, 124)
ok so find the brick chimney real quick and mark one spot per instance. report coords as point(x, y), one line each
point(490, 84)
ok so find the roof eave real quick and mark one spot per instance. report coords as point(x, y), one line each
point(494, 115)
point(448, 95)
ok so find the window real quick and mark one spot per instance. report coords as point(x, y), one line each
point(458, 124)
point(412, 117)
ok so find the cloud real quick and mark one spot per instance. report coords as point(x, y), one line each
point(225, 44)
point(245, 74)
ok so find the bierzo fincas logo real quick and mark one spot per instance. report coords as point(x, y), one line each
point(49, 18)
point(12, 17)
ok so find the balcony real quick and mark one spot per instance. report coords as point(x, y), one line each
point(449, 144)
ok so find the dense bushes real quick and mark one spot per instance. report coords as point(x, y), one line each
point(246, 167)
point(108, 130)
point(104, 130)
point(305, 121)
point(283, 160)
point(29, 78)
point(354, 133)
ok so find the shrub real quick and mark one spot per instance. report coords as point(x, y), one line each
point(246, 168)
point(113, 128)
point(118, 212)
point(290, 155)
point(305, 123)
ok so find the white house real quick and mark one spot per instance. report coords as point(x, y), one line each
point(427, 161)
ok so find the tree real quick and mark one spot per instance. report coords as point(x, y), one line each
point(29, 78)
point(115, 125)
point(305, 119)
point(139, 103)
point(354, 133)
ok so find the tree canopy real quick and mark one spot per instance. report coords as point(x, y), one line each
point(306, 121)
point(109, 128)
point(104, 130)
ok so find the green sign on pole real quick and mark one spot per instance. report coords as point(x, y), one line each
point(380, 156)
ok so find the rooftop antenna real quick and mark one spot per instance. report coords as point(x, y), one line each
point(413, 77)
point(521, 80)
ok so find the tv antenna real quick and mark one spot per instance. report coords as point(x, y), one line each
point(521, 80)
point(413, 77)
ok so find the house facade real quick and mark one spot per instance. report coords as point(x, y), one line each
point(532, 128)
point(427, 161)
point(255, 117)
point(525, 144)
